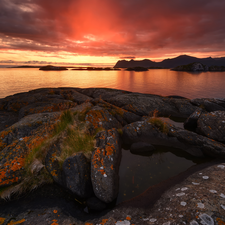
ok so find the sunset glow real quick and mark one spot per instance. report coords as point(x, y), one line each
point(86, 32)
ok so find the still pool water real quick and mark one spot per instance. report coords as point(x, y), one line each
point(138, 172)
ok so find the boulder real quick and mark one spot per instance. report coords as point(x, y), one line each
point(191, 122)
point(198, 142)
point(144, 104)
point(209, 104)
point(105, 163)
point(212, 125)
point(12, 161)
point(49, 105)
point(77, 173)
point(99, 118)
point(145, 131)
point(141, 148)
point(52, 163)
point(122, 115)
point(17, 141)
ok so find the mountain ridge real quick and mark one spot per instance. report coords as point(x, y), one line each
point(170, 63)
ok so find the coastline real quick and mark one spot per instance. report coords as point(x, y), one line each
point(134, 107)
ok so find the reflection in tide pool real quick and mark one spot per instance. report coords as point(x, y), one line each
point(138, 173)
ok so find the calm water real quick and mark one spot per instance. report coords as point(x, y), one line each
point(162, 82)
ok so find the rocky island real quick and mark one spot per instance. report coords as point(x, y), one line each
point(50, 67)
point(196, 66)
point(61, 146)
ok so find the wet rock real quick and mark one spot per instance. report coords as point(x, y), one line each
point(212, 125)
point(198, 143)
point(52, 163)
point(103, 93)
point(7, 119)
point(123, 116)
point(105, 165)
point(28, 125)
point(191, 122)
point(49, 105)
point(144, 104)
point(73, 95)
point(188, 141)
point(141, 148)
point(12, 160)
point(209, 104)
point(99, 118)
point(96, 204)
point(77, 173)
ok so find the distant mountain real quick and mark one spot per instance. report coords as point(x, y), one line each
point(170, 63)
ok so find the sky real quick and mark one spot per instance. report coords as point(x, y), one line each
point(87, 32)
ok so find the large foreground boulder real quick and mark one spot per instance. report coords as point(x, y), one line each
point(105, 165)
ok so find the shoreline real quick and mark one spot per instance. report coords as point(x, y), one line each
point(127, 112)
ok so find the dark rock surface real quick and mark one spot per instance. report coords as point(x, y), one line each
point(212, 125)
point(141, 148)
point(144, 131)
point(99, 118)
point(143, 105)
point(77, 172)
point(209, 104)
point(191, 122)
point(95, 204)
point(105, 164)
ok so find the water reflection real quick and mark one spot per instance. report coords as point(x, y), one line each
point(156, 81)
point(139, 172)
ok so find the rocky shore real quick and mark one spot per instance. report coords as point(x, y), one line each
point(60, 152)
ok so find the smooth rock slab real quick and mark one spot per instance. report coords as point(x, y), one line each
point(77, 172)
point(105, 165)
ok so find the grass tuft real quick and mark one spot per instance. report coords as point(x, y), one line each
point(77, 140)
point(161, 125)
point(66, 118)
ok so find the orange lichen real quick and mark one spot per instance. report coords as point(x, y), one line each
point(2, 220)
point(220, 222)
point(104, 221)
point(16, 222)
point(128, 218)
point(55, 211)
point(109, 149)
point(54, 222)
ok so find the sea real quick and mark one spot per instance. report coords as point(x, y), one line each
point(163, 82)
